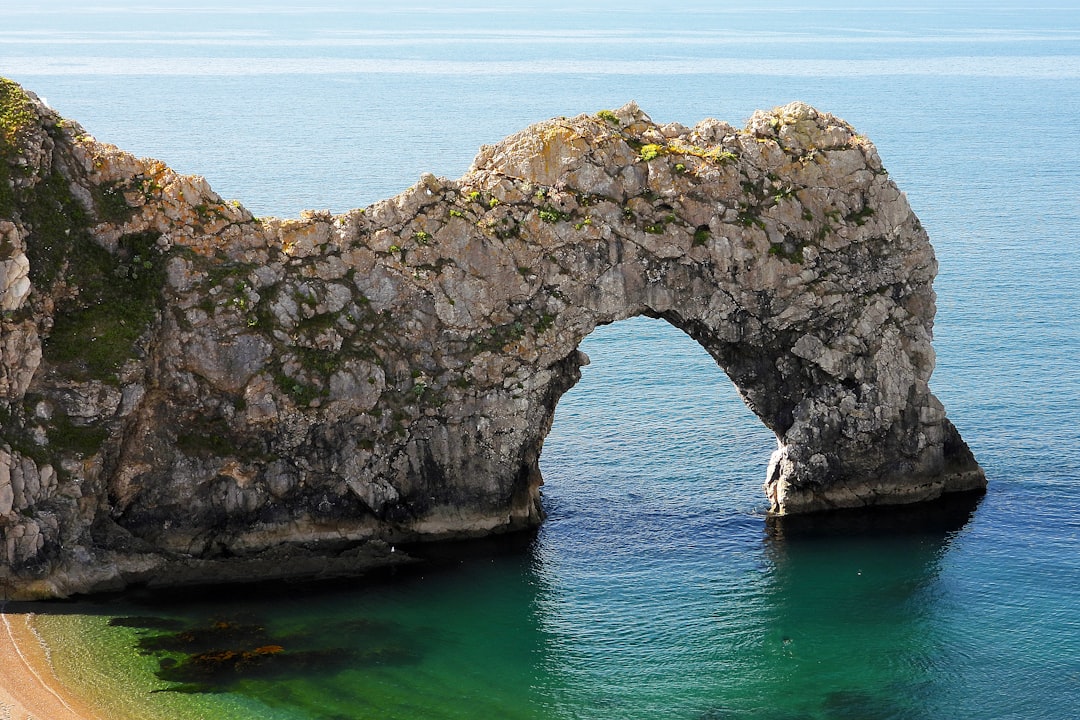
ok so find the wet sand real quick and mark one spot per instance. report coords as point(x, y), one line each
point(28, 686)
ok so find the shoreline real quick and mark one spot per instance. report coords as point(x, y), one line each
point(29, 688)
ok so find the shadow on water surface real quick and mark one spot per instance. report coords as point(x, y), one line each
point(837, 618)
point(783, 618)
point(944, 516)
point(850, 596)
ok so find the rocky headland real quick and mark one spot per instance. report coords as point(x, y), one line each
point(191, 394)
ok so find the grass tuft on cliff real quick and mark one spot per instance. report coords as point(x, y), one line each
point(16, 114)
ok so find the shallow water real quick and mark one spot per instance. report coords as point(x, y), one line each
point(656, 588)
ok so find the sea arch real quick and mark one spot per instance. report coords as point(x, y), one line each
point(791, 258)
point(298, 396)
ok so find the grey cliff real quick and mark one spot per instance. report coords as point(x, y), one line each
point(191, 394)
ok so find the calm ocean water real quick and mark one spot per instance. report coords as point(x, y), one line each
point(657, 588)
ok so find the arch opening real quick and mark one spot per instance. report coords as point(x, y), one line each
point(653, 418)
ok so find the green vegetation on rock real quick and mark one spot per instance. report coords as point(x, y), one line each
point(118, 297)
point(552, 215)
point(16, 114)
point(59, 229)
point(608, 116)
point(65, 437)
point(16, 111)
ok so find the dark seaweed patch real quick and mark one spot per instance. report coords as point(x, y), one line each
point(215, 656)
point(216, 670)
point(193, 641)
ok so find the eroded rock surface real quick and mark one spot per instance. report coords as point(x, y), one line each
point(188, 393)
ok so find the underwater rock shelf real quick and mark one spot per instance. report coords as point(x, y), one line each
point(190, 394)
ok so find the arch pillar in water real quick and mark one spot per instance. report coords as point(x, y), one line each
point(805, 274)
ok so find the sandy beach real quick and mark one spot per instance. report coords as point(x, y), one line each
point(28, 687)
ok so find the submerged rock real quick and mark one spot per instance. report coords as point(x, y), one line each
point(190, 394)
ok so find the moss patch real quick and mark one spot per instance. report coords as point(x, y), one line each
point(7, 192)
point(302, 393)
point(67, 438)
point(496, 338)
point(14, 434)
point(112, 206)
point(59, 225)
point(860, 217)
point(790, 250)
point(95, 331)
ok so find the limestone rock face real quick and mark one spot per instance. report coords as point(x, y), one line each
point(190, 394)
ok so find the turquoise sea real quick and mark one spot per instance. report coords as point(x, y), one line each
point(657, 588)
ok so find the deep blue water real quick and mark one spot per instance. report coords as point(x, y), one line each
point(656, 587)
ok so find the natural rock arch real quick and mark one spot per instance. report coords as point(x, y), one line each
point(294, 396)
